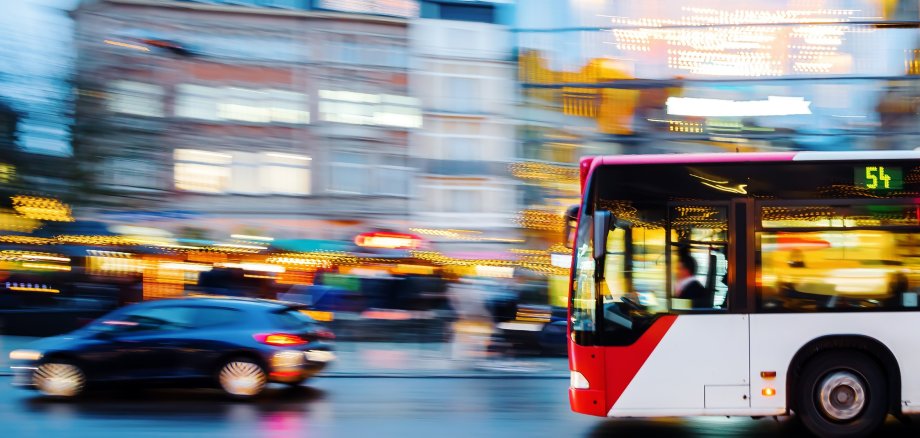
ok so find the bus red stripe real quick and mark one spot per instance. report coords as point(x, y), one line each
point(623, 363)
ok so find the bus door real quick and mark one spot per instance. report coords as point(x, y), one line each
point(700, 364)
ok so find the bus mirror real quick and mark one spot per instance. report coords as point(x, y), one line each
point(571, 224)
point(602, 222)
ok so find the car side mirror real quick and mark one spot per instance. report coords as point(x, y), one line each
point(603, 219)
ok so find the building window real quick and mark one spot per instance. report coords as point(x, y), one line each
point(241, 104)
point(202, 171)
point(393, 176)
point(359, 173)
point(464, 201)
point(245, 105)
point(481, 13)
point(461, 148)
point(462, 94)
point(349, 173)
point(466, 195)
point(136, 98)
point(285, 174)
point(244, 174)
point(247, 173)
point(197, 102)
point(369, 109)
point(131, 173)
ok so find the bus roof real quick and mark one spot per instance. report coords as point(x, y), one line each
point(727, 157)
point(588, 164)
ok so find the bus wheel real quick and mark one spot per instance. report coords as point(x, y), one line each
point(842, 394)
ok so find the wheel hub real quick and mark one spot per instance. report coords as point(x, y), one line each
point(60, 380)
point(842, 395)
point(242, 378)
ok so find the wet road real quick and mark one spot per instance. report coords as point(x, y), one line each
point(361, 407)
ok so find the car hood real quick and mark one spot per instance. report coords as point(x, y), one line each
point(54, 343)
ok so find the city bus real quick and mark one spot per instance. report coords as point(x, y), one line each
point(747, 284)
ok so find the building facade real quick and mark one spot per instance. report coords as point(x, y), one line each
point(288, 120)
point(463, 74)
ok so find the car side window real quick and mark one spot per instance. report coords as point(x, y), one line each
point(168, 318)
point(214, 316)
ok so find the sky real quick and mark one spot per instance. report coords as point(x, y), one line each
point(36, 59)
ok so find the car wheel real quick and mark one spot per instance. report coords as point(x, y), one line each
point(59, 379)
point(242, 378)
point(842, 394)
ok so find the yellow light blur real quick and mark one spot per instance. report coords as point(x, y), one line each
point(11, 221)
point(7, 172)
point(179, 266)
point(127, 45)
point(541, 220)
point(46, 257)
point(46, 266)
point(768, 392)
point(45, 209)
point(34, 289)
point(26, 240)
point(413, 269)
point(319, 315)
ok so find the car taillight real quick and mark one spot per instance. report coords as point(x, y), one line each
point(325, 334)
point(279, 339)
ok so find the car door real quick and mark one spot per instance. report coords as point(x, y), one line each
point(147, 346)
point(213, 331)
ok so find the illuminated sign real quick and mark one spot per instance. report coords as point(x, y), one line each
point(388, 240)
point(396, 8)
point(773, 106)
point(878, 178)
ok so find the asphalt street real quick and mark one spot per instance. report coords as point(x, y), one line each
point(361, 407)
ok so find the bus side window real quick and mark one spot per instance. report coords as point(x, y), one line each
point(699, 278)
point(699, 266)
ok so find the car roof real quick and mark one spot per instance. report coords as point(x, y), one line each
point(224, 301)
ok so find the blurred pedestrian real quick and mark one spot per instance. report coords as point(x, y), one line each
point(473, 327)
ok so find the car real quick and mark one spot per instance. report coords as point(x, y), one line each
point(238, 345)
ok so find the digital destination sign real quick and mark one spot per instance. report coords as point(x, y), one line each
point(878, 177)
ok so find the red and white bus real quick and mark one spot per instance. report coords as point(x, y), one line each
point(755, 284)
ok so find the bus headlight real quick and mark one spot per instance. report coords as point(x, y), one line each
point(578, 381)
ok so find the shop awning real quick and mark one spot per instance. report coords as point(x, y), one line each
point(311, 245)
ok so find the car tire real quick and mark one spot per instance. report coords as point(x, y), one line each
point(242, 378)
point(59, 379)
point(842, 394)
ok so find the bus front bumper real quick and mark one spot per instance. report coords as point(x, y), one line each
point(587, 401)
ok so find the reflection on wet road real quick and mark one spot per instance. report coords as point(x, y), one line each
point(362, 407)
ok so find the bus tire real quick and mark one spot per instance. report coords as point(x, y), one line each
point(842, 393)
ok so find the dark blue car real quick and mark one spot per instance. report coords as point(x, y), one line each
point(236, 344)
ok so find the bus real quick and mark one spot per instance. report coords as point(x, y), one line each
point(747, 284)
